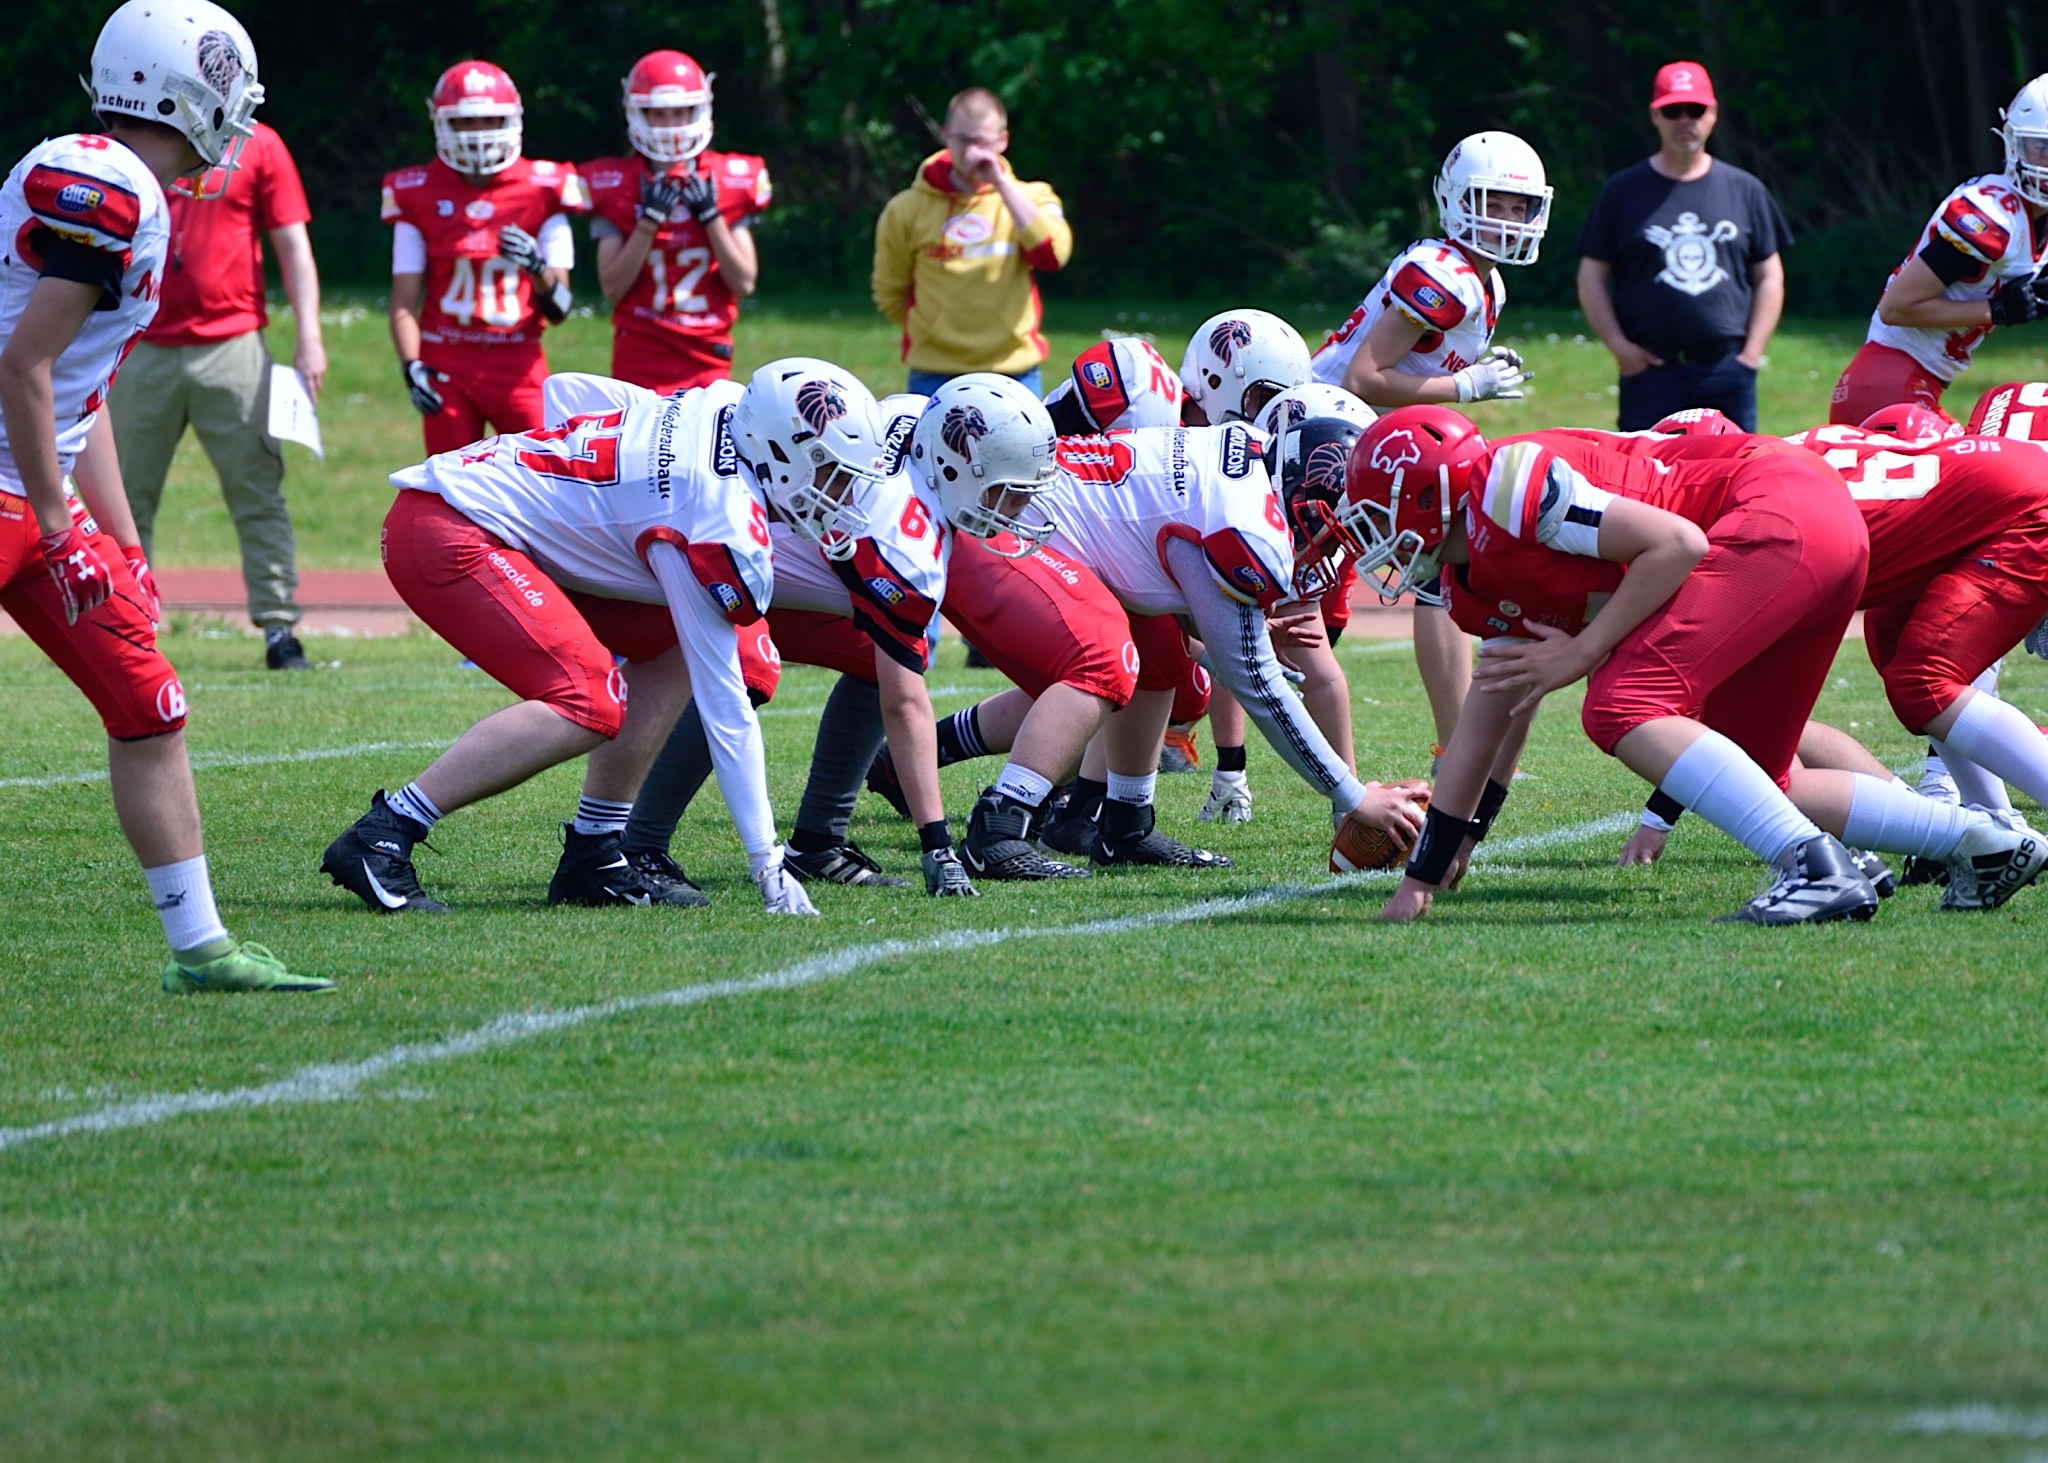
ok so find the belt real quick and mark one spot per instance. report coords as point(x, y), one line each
point(1701, 357)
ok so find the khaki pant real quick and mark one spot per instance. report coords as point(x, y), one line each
point(222, 391)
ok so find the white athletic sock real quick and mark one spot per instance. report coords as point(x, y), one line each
point(1024, 785)
point(411, 803)
point(598, 815)
point(184, 902)
point(1717, 780)
point(1132, 789)
point(2003, 740)
point(1973, 784)
point(1894, 820)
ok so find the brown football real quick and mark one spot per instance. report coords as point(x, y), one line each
point(1355, 848)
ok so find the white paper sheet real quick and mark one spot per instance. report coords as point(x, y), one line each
point(292, 418)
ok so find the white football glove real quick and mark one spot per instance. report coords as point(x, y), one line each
point(1230, 799)
point(2037, 640)
point(945, 877)
point(1497, 374)
point(522, 248)
point(780, 891)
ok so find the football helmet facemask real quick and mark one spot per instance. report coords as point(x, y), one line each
point(476, 89)
point(1483, 169)
point(985, 446)
point(1307, 460)
point(668, 79)
point(1408, 474)
point(816, 441)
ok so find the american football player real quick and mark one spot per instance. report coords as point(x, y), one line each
point(174, 85)
point(673, 225)
point(480, 259)
point(1975, 268)
point(626, 527)
point(1236, 362)
point(1536, 532)
point(1116, 384)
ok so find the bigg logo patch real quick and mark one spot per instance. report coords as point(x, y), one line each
point(80, 197)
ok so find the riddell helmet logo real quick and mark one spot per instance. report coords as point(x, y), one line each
point(1395, 451)
point(820, 403)
point(220, 62)
point(962, 425)
point(1322, 472)
point(1228, 338)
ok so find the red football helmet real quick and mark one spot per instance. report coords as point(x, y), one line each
point(476, 89)
point(668, 79)
point(1409, 473)
point(1911, 421)
point(1698, 421)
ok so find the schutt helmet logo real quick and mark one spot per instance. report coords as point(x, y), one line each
point(1322, 472)
point(1395, 451)
point(219, 62)
point(1228, 337)
point(820, 403)
point(961, 426)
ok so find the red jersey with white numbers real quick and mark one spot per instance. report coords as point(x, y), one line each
point(680, 291)
point(472, 295)
point(1989, 224)
point(1434, 285)
point(83, 191)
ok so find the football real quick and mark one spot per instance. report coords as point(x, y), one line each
point(1354, 848)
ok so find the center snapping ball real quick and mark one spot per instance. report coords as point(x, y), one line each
point(1355, 848)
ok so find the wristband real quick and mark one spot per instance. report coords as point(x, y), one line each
point(1443, 838)
point(933, 836)
point(1663, 811)
point(1489, 806)
point(562, 297)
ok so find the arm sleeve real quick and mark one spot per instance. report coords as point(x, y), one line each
point(557, 243)
point(1239, 652)
point(408, 249)
point(711, 651)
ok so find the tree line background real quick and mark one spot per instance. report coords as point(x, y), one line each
point(1205, 149)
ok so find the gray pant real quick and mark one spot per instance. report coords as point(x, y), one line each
point(221, 391)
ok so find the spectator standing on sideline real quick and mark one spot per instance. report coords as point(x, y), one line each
point(672, 222)
point(1679, 270)
point(203, 363)
point(957, 252)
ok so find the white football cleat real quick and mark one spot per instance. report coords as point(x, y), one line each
point(1994, 861)
point(1230, 799)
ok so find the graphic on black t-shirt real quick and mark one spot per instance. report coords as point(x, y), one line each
point(1691, 262)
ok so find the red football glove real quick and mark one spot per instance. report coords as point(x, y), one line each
point(80, 573)
point(138, 565)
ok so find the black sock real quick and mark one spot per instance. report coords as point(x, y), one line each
point(849, 734)
point(1229, 759)
point(806, 840)
point(960, 737)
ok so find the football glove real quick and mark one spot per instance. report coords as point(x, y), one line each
point(419, 384)
point(522, 248)
point(78, 569)
point(1230, 799)
point(138, 566)
point(1498, 374)
point(945, 876)
point(700, 196)
point(659, 197)
point(780, 891)
point(2037, 640)
point(2015, 303)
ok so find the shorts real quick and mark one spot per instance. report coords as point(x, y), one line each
point(1042, 620)
point(669, 363)
point(1930, 648)
point(1878, 376)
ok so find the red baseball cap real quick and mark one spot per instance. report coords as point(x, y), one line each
point(1682, 81)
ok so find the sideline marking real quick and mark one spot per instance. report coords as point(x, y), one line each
point(1975, 1419)
point(224, 761)
point(340, 1081)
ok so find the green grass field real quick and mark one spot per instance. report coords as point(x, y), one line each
point(1204, 1166)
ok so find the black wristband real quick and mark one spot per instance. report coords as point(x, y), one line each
point(1665, 806)
point(1489, 806)
point(1443, 837)
point(933, 836)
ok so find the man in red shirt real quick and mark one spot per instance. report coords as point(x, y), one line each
point(672, 222)
point(203, 363)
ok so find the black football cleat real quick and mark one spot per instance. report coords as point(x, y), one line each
point(1125, 835)
point(595, 872)
point(372, 859)
point(1817, 881)
point(1875, 869)
point(658, 871)
point(998, 843)
point(848, 863)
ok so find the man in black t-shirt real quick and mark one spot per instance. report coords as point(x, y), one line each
point(1679, 271)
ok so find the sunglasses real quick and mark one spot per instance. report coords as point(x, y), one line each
point(1676, 110)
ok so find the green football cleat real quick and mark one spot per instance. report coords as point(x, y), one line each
point(247, 967)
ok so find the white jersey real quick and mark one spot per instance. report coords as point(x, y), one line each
point(894, 582)
point(1117, 385)
point(1433, 285)
point(82, 192)
point(585, 499)
point(1988, 223)
point(1119, 498)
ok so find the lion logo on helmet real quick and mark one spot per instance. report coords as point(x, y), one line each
point(961, 426)
point(1323, 470)
point(820, 403)
point(1395, 451)
point(220, 62)
point(1229, 338)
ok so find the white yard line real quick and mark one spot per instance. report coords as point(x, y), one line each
point(223, 761)
point(1975, 1419)
point(341, 1081)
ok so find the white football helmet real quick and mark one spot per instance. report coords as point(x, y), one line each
point(1485, 166)
point(1239, 360)
point(668, 79)
point(476, 89)
point(1312, 399)
point(815, 439)
point(985, 446)
point(2025, 135)
point(187, 64)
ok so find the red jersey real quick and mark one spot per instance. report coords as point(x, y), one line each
point(213, 289)
point(472, 295)
point(680, 292)
point(1928, 504)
